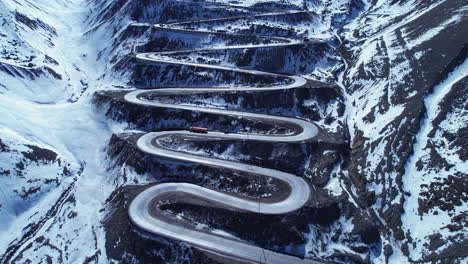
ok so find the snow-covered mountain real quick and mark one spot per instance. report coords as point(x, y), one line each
point(405, 63)
point(394, 190)
point(52, 142)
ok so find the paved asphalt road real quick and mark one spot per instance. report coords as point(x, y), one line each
point(142, 208)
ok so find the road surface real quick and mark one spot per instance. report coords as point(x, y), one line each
point(143, 210)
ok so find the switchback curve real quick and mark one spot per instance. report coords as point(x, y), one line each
point(143, 211)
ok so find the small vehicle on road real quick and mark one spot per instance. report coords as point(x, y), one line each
point(202, 130)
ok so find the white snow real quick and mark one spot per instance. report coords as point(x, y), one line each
point(429, 34)
point(56, 115)
point(413, 178)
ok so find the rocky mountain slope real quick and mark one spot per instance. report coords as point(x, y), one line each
point(401, 75)
point(394, 191)
point(52, 159)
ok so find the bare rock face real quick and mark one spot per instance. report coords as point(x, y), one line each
point(409, 59)
point(388, 83)
point(395, 56)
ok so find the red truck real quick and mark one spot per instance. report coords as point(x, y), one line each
point(203, 130)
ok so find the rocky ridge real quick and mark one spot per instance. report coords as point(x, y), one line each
point(397, 76)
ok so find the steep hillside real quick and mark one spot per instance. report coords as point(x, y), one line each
point(387, 86)
point(404, 64)
point(51, 152)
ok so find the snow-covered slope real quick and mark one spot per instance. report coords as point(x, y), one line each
point(51, 154)
point(404, 60)
point(36, 51)
point(395, 194)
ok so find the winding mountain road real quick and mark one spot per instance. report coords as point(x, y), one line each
point(143, 210)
